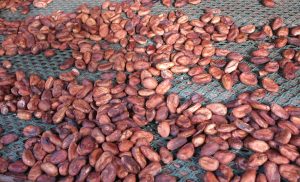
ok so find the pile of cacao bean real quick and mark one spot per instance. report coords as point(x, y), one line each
point(23, 5)
point(182, 3)
point(14, 5)
point(99, 125)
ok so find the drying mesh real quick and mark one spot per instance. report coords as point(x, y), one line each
point(243, 12)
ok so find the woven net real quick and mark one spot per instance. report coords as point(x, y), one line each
point(243, 12)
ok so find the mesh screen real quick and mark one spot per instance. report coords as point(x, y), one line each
point(242, 11)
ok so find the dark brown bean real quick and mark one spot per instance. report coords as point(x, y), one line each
point(176, 143)
point(9, 138)
point(208, 163)
point(270, 84)
point(269, 3)
point(248, 78)
point(186, 152)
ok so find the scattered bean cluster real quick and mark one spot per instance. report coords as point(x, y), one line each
point(181, 3)
point(14, 5)
point(22, 5)
point(98, 133)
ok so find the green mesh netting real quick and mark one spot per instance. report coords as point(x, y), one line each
point(243, 12)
